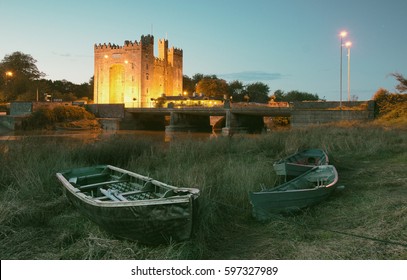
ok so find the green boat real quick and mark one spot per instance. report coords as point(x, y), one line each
point(296, 164)
point(310, 188)
point(130, 205)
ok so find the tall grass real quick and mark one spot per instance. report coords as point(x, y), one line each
point(37, 222)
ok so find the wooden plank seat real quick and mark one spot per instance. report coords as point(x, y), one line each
point(116, 193)
point(96, 185)
point(121, 194)
point(113, 194)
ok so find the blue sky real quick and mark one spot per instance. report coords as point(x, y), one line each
point(288, 44)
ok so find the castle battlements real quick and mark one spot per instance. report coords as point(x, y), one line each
point(108, 46)
point(176, 51)
point(145, 40)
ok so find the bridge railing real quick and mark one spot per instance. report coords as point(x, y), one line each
point(261, 105)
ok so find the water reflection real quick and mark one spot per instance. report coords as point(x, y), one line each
point(89, 136)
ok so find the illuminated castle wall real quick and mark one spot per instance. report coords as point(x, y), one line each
point(130, 74)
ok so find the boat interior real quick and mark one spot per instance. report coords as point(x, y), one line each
point(310, 159)
point(111, 185)
point(321, 176)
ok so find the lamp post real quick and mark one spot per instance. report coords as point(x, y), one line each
point(9, 75)
point(342, 35)
point(348, 45)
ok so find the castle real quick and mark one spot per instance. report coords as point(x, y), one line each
point(131, 75)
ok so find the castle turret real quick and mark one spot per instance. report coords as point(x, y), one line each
point(175, 59)
point(163, 49)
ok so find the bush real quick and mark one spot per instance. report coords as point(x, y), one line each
point(48, 118)
point(387, 102)
point(71, 113)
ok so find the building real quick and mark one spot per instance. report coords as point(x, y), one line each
point(132, 75)
point(182, 101)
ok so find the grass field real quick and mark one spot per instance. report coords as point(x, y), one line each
point(366, 220)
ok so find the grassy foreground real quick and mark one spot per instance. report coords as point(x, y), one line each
point(367, 220)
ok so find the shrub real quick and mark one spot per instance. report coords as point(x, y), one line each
point(48, 117)
point(71, 113)
point(387, 102)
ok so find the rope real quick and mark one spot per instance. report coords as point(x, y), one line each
point(367, 237)
point(270, 215)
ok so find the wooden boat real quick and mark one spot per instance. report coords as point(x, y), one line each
point(310, 188)
point(129, 205)
point(296, 164)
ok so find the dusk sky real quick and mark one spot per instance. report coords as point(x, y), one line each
point(287, 44)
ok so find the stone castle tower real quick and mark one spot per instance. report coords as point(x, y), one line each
point(130, 74)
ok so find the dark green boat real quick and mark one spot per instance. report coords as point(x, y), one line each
point(130, 205)
point(296, 164)
point(310, 188)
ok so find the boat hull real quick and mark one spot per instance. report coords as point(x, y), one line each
point(266, 204)
point(306, 190)
point(148, 217)
point(161, 222)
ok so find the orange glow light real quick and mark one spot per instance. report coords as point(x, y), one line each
point(343, 34)
point(9, 74)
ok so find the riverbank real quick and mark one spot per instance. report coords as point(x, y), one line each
point(367, 220)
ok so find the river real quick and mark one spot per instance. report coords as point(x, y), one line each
point(100, 135)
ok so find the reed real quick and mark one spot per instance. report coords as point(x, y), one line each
point(37, 222)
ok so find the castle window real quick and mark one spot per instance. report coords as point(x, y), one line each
point(146, 66)
point(147, 76)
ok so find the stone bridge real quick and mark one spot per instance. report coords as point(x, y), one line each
point(243, 117)
point(231, 118)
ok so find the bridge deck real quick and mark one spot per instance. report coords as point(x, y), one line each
point(216, 111)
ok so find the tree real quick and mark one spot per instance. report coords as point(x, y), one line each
point(197, 77)
point(295, 95)
point(211, 86)
point(21, 64)
point(258, 92)
point(18, 72)
point(402, 86)
point(188, 85)
point(278, 95)
point(236, 91)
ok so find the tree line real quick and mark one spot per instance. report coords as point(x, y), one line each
point(20, 80)
point(236, 91)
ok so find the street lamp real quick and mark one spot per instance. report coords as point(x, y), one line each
point(348, 45)
point(342, 35)
point(9, 75)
